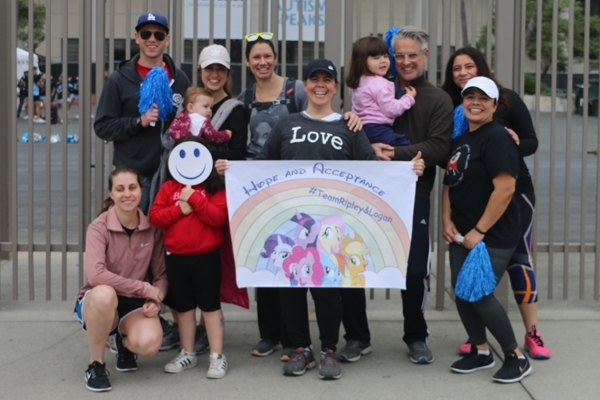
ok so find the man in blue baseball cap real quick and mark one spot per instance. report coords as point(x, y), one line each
point(137, 136)
point(152, 18)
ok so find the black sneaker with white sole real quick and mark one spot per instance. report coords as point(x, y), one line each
point(96, 377)
point(473, 362)
point(126, 360)
point(513, 370)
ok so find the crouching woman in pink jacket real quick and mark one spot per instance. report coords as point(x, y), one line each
point(125, 281)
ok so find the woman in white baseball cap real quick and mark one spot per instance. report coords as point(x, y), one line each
point(214, 74)
point(478, 205)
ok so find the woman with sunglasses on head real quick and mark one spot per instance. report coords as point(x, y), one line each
point(137, 137)
point(270, 98)
point(513, 114)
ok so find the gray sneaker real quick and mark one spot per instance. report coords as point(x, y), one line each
point(353, 350)
point(329, 368)
point(419, 353)
point(302, 360)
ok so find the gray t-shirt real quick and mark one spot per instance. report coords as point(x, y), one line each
point(264, 116)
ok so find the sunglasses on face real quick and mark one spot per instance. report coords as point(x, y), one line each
point(158, 35)
point(251, 37)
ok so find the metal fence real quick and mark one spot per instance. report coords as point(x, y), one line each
point(54, 178)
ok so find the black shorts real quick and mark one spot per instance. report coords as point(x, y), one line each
point(194, 281)
point(124, 307)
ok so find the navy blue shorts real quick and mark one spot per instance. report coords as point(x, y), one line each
point(125, 306)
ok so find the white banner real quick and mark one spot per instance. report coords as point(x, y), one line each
point(321, 223)
point(290, 16)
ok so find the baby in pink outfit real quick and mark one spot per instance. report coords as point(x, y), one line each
point(195, 118)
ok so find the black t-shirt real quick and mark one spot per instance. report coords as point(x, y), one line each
point(475, 160)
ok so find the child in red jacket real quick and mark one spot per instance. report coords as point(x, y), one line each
point(192, 218)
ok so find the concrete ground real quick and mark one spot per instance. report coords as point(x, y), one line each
point(43, 355)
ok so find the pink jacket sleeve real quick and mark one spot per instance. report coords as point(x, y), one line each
point(389, 105)
point(158, 268)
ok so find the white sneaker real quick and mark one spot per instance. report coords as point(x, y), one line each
point(218, 366)
point(38, 120)
point(183, 360)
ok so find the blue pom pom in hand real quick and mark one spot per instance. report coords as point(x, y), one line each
point(476, 277)
point(156, 90)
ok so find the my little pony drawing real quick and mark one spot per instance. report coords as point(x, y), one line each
point(276, 248)
point(306, 232)
point(355, 252)
point(331, 233)
point(303, 268)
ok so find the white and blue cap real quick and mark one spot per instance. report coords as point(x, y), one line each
point(486, 85)
point(320, 64)
point(152, 18)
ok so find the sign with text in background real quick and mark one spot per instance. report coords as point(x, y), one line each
point(290, 17)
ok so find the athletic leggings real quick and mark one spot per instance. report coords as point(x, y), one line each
point(486, 312)
point(520, 267)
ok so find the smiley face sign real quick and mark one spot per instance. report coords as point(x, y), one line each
point(190, 163)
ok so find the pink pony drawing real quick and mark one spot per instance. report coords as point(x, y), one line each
point(303, 268)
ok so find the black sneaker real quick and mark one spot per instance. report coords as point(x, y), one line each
point(513, 369)
point(126, 360)
point(201, 344)
point(96, 378)
point(473, 362)
point(170, 339)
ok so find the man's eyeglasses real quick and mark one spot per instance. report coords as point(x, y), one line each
point(251, 37)
point(409, 56)
point(158, 35)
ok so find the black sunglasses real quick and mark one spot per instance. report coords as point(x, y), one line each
point(158, 35)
